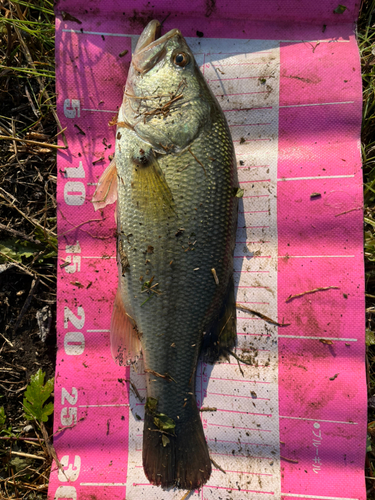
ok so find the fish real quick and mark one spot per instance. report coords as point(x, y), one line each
point(174, 179)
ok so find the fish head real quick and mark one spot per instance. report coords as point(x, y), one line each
point(166, 101)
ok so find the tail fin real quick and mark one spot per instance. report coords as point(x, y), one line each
point(184, 461)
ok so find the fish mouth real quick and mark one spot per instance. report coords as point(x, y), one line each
point(150, 48)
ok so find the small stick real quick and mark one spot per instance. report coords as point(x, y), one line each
point(161, 432)
point(321, 289)
point(50, 448)
point(98, 160)
point(207, 408)
point(28, 141)
point(135, 390)
point(201, 164)
point(347, 211)
point(35, 111)
point(239, 366)
point(15, 438)
point(260, 315)
point(27, 455)
point(79, 129)
point(213, 271)
point(15, 263)
point(132, 96)
point(289, 460)
point(34, 286)
point(250, 363)
point(165, 376)
point(8, 341)
point(186, 495)
point(217, 465)
point(14, 232)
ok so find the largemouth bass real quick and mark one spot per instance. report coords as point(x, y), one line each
point(175, 181)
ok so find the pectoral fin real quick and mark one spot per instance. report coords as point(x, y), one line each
point(106, 191)
point(125, 343)
point(150, 191)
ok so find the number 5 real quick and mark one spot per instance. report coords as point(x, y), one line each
point(73, 470)
point(76, 108)
point(68, 416)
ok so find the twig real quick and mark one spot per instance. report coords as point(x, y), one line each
point(29, 219)
point(28, 141)
point(239, 367)
point(165, 376)
point(35, 111)
point(50, 448)
point(9, 41)
point(213, 271)
point(162, 432)
point(207, 408)
point(18, 234)
point(6, 340)
point(321, 289)
point(135, 390)
point(186, 495)
point(250, 363)
point(201, 164)
point(15, 144)
point(27, 455)
point(16, 438)
point(260, 315)
point(217, 465)
point(289, 460)
point(20, 266)
point(347, 211)
point(27, 486)
point(63, 429)
point(34, 286)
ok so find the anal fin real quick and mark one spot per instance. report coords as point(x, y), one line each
point(125, 343)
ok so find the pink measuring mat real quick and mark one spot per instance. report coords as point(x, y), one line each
point(293, 425)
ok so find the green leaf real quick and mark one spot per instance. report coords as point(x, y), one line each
point(19, 464)
point(151, 404)
point(48, 240)
point(164, 423)
point(165, 440)
point(2, 416)
point(368, 443)
point(36, 395)
point(16, 249)
point(239, 193)
point(370, 337)
point(340, 9)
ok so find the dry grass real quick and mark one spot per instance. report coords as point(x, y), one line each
point(28, 240)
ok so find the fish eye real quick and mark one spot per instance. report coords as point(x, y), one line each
point(181, 59)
